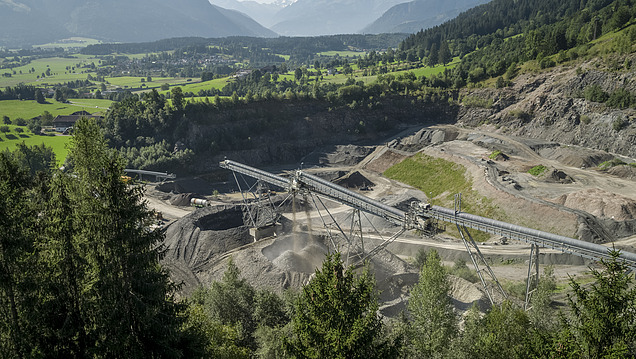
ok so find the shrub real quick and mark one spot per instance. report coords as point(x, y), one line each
point(501, 83)
point(620, 98)
point(19, 129)
point(474, 101)
point(537, 170)
point(611, 163)
point(494, 154)
point(520, 114)
point(546, 63)
point(4, 129)
point(585, 119)
point(461, 270)
point(20, 121)
point(619, 124)
point(595, 93)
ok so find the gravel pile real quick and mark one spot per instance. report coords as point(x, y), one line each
point(182, 199)
point(600, 203)
point(354, 180)
point(575, 156)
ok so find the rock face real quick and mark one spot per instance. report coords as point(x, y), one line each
point(422, 138)
point(274, 133)
point(549, 106)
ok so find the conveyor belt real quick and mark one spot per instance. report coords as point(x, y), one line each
point(366, 204)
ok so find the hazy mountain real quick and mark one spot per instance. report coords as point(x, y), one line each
point(25, 22)
point(416, 15)
point(263, 13)
point(328, 17)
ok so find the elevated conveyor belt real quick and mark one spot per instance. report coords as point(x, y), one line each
point(524, 234)
point(330, 190)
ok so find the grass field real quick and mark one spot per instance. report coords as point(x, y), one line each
point(342, 53)
point(198, 86)
point(59, 73)
point(135, 82)
point(29, 109)
point(59, 143)
point(72, 42)
point(441, 180)
point(423, 71)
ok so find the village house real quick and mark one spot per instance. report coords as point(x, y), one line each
point(64, 122)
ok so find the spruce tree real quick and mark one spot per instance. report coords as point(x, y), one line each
point(602, 320)
point(129, 309)
point(431, 308)
point(336, 316)
point(17, 260)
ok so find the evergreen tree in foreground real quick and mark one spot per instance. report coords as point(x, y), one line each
point(434, 319)
point(602, 323)
point(128, 309)
point(79, 262)
point(336, 316)
point(17, 260)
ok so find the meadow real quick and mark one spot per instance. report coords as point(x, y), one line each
point(11, 139)
point(58, 68)
point(138, 82)
point(72, 42)
point(29, 108)
point(343, 53)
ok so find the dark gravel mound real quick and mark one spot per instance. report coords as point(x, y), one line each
point(354, 180)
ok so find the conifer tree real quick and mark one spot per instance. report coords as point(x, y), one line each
point(336, 316)
point(431, 307)
point(129, 309)
point(17, 260)
point(602, 320)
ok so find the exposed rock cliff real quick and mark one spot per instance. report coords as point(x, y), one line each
point(550, 106)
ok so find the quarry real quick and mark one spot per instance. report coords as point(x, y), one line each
point(571, 197)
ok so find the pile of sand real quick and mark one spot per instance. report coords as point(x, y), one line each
point(345, 155)
point(465, 294)
point(204, 233)
point(303, 253)
point(600, 203)
point(557, 176)
point(627, 172)
point(575, 156)
point(385, 161)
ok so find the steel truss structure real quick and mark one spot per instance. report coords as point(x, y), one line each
point(420, 215)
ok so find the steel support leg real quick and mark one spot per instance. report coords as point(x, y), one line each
point(532, 281)
point(478, 260)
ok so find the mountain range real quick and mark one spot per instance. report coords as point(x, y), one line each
point(328, 17)
point(416, 15)
point(25, 22)
point(28, 22)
